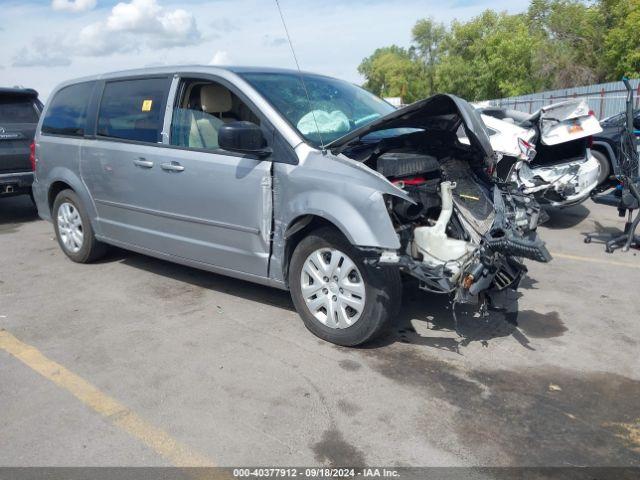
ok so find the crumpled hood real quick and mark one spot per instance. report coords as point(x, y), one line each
point(442, 112)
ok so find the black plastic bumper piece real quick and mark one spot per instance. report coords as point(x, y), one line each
point(512, 246)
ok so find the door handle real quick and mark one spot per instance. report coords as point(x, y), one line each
point(172, 167)
point(141, 162)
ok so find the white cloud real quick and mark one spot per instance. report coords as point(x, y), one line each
point(220, 58)
point(147, 17)
point(129, 27)
point(41, 52)
point(178, 28)
point(94, 40)
point(73, 5)
point(139, 15)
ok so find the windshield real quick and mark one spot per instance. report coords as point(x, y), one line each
point(337, 107)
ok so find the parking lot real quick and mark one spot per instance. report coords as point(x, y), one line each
point(136, 361)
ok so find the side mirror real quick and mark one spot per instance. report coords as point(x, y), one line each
point(243, 137)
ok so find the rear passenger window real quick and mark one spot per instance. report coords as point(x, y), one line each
point(133, 109)
point(67, 113)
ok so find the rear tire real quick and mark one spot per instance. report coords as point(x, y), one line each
point(605, 166)
point(374, 292)
point(73, 229)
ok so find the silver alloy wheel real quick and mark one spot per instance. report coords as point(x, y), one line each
point(70, 227)
point(333, 288)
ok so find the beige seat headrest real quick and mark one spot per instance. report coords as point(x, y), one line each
point(215, 98)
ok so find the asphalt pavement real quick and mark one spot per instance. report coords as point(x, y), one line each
point(134, 361)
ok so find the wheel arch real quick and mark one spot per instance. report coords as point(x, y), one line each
point(299, 228)
point(63, 180)
point(605, 149)
point(54, 189)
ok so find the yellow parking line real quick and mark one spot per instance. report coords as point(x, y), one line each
point(594, 260)
point(121, 416)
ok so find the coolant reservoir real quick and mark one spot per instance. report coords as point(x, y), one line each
point(433, 243)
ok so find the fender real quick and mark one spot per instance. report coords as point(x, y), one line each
point(343, 192)
point(365, 225)
point(63, 174)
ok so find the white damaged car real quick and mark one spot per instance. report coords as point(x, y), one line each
point(547, 153)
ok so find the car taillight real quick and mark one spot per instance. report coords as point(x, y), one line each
point(32, 156)
point(589, 141)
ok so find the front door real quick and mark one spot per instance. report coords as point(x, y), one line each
point(189, 200)
point(213, 208)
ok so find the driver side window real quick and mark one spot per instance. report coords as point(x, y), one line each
point(202, 109)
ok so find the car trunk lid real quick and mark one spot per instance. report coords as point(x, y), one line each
point(565, 121)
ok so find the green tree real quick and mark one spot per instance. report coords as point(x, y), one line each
point(622, 41)
point(427, 38)
point(555, 44)
point(393, 72)
point(572, 50)
point(491, 56)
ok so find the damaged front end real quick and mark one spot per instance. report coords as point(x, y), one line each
point(473, 242)
point(461, 233)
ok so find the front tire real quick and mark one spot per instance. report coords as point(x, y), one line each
point(73, 229)
point(340, 298)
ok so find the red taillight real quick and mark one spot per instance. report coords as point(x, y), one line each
point(591, 112)
point(32, 155)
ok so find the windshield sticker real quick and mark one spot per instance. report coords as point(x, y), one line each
point(146, 105)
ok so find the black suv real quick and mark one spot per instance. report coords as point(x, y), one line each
point(19, 113)
point(606, 145)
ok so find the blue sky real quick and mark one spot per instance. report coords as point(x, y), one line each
point(45, 42)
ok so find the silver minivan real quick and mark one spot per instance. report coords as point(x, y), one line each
point(288, 179)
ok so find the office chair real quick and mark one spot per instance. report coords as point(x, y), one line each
point(626, 195)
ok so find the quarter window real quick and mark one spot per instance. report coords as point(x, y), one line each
point(67, 114)
point(133, 109)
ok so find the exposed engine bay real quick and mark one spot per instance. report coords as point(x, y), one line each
point(464, 233)
point(459, 237)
